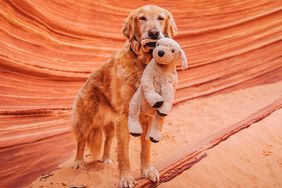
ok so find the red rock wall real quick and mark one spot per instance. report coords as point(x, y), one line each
point(48, 48)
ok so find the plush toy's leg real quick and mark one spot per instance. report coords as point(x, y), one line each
point(155, 132)
point(168, 95)
point(164, 109)
point(153, 99)
point(134, 126)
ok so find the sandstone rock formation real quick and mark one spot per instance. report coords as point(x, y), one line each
point(48, 48)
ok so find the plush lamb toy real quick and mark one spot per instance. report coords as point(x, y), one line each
point(155, 94)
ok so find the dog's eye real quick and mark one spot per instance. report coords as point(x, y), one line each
point(160, 18)
point(173, 50)
point(142, 18)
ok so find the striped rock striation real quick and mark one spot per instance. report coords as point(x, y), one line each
point(48, 48)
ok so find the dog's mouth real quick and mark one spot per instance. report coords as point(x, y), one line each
point(151, 44)
point(148, 44)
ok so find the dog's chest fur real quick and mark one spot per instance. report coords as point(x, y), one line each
point(128, 71)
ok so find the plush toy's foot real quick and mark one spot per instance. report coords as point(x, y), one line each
point(155, 135)
point(158, 104)
point(153, 140)
point(155, 101)
point(161, 114)
point(135, 134)
point(135, 129)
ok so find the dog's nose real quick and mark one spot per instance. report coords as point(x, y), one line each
point(153, 33)
point(161, 53)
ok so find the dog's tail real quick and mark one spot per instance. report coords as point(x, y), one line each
point(95, 142)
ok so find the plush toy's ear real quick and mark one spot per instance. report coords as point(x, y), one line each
point(183, 59)
point(170, 26)
point(129, 27)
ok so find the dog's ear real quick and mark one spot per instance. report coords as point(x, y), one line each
point(129, 27)
point(183, 59)
point(170, 26)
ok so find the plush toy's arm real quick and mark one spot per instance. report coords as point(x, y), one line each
point(134, 126)
point(155, 131)
point(147, 84)
point(167, 92)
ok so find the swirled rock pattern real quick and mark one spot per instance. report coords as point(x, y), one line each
point(48, 48)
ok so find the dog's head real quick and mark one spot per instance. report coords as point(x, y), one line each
point(148, 24)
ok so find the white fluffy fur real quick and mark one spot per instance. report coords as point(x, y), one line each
point(158, 84)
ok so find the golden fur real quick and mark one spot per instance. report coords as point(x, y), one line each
point(101, 107)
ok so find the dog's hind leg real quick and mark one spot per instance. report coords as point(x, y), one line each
point(78, 163)
point(95, 142)
point(110, 134)
point(80, 140)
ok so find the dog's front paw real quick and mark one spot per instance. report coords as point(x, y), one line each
point(151, 173)
point(161, 114)
point(78, 165)
point(127, 181)
point(158, 104)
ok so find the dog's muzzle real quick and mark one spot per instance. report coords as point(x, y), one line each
point(150, 44)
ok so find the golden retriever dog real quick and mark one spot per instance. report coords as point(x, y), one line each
point(101, 107)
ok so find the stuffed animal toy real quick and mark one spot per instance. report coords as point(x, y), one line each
point(155, 94)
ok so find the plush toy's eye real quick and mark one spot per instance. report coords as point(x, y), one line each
point(142, 18)
point(160, 18)
point(173, 50)
point(158, 44)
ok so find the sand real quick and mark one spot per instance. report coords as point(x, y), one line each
point(251, 158)
point(241, 155)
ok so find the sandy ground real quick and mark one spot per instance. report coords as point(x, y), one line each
point(186, 124)
point(251, 158)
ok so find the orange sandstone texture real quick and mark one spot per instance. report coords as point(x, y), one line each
point(48, 48)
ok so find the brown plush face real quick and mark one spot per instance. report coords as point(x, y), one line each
point(168, 52)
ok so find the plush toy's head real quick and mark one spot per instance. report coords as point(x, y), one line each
point(168, 52)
